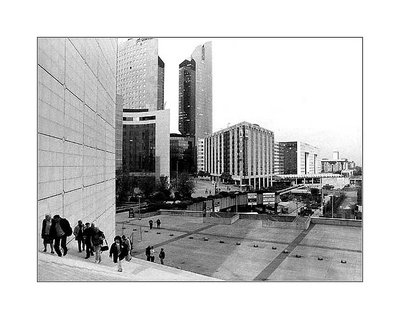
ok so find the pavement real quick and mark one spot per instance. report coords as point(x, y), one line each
point(320, 250)
point(73, 267)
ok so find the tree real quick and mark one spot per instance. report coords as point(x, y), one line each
point(185, 186)
point(226, 177)
point(147, 185)
point(163, 186)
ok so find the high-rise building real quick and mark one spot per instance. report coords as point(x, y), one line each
point(146, 143)
point(118, 132)
point(245, 151)
point(296, 158)
point(195, 93)
point(76, 130)
point(140, 76)
point(187, 98)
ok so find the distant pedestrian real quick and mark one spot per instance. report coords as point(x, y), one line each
point(158, 222)
point(162, 256)
point(147, 252)
point(152, 252)
point(97, 240)
point(118, 251)
point(78, 233)
point(60, 229)
point(151, 223)
point(46, 233)
point(87, 238)
point(128, 244)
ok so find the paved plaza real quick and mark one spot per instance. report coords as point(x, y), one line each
point(320, 250)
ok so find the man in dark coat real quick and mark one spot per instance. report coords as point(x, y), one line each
point(87, 237)
point(162, 256)
point(78, 233)
point(118, 251)
point(148, 253)
point(151, 223)
point(158, 222)
point(60, 229)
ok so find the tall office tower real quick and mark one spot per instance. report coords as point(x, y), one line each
point(187, 102)
point(140, 74)
point(76, 130)
point(245, 151)
point(202, 56)
point(195, 78)
point(118, 132)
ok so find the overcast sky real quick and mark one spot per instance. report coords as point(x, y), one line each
point(301, 89)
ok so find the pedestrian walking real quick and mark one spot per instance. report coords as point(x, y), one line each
point(162, 256)
point(152, 252)
point(118, 251)
point(128, 244)
point(148, 253)
point(78, 233)
point(60, 229)
point(158, 222)
point(151, 223)
point(87, 238)
point(46, 225)
point(97, 240)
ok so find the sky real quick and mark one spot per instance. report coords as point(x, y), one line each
point(308, 90)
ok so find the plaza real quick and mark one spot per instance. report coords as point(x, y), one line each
point(320, 253)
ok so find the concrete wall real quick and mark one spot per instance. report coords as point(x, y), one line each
point(221, 220)
point(337, 222)
point(76, 130)
point(172, 212)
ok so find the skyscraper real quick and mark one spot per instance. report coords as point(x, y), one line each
point(187, 95)
point(195, 93)
point(140, 74)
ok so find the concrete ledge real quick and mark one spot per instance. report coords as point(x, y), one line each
point(337, 221)
point(223, 220)
point(172, 212)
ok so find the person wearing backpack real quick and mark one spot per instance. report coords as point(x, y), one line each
point(60, 229)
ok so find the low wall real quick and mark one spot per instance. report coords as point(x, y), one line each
point(221, 220)
point(172, 212)
point(337, 221)
point(298, 223)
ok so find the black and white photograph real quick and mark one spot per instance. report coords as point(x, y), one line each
point(206, 159)
point(200, 159)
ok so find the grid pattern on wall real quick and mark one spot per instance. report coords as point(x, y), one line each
point(76, 130)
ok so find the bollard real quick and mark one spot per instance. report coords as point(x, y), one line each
point(238, 243)
point(221, 241)
point(191, 237)
point(171, 234)
point(256, 246)
point(343, 261)
point(158, 233)
point(286, 251)
point(320, 258)
point(205, 239)
point(298, 256)
point(274, 248)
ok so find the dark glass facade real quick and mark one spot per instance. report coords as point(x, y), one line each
point(182, 154)
point(288, 154)
point(138, 149)
point(187, 98)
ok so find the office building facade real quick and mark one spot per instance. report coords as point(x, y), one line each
point(200, 155)
point(295, 158)
point(195, 93)
point(146, 143)
point(245, 151)
point(187, 98)
point(182, 154)
point(76, 130)
point(118, 132)
point(140, 76)
point(336, 164)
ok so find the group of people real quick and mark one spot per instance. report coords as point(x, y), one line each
point(90, 239)
point(158, 222)
point(150, 254)
point(56, 230)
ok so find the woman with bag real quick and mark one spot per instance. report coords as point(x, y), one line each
point(97, 241)
point(128, 245)
point(118, 251)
